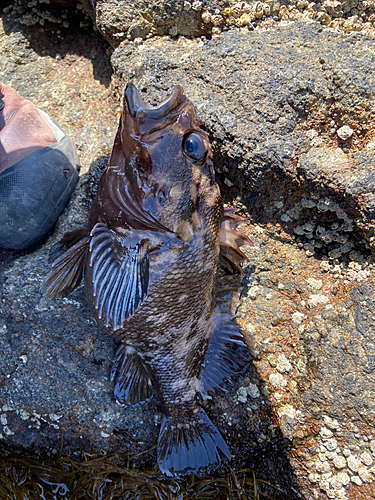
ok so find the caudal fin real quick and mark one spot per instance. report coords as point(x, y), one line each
point(185, 448)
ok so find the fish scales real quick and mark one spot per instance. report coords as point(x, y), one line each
point(149, 258)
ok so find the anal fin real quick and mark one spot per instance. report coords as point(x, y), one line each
point(132, 381)
point(228, 356)
point(68, 256)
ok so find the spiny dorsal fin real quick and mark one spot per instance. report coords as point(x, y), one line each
point(231, 239)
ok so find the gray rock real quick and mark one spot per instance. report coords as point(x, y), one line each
point(55, 392)
point(260, 94)
point(259, 97)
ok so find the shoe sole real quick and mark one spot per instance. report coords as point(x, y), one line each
point(35, 190)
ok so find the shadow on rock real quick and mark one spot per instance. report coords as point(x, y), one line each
point(58, 32)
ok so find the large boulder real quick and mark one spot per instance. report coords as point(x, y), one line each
point(291, 118)
point(120, 20)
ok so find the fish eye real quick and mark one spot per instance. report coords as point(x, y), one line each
point(194, 146)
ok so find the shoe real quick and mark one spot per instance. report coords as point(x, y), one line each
point(38, 171)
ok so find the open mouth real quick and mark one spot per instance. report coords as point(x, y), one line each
point(152, 118)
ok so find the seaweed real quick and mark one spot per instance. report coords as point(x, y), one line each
point(114, 477)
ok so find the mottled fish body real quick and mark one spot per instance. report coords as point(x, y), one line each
point(149, 258)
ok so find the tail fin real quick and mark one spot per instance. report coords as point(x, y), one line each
point(185, 448)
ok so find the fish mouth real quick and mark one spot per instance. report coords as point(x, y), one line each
point(151, 118)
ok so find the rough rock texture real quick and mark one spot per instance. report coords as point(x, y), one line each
point(125, 19)
point(120, 20)
point(290, 112)
point(55, 392)
point(275, 104)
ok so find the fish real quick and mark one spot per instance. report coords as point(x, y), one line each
point(150, 258)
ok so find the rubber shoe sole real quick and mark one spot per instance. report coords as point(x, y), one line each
point(35, 190)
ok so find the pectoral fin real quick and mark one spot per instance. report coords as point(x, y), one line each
point(119, 275)
point(68, 256)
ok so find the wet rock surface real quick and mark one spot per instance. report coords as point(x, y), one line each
point(291, 117)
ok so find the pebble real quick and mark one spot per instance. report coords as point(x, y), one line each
point(325, 266)
point(314, 284)
point(286, 411)
point(297, 319)
point(283, 365)
point(317, 299)
point(345, 132)
point(253, 391)
point(242, 395)
point(253, 292)
point(54, 417)
point(307, 203)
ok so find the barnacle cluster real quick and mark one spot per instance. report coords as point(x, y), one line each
point(324, 230)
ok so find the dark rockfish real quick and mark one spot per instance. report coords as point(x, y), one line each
point(149, 258)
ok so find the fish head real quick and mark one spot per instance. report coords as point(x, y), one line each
point(164, 154)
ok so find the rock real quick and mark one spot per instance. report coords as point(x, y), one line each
point(339, 462)
point(55, 361)
point(122, 20)
point(345, 132)
point(309, 283)
point(56, 395)
point(366, 458)
point(257, 120)
point(283, 365)
point(119, 20)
